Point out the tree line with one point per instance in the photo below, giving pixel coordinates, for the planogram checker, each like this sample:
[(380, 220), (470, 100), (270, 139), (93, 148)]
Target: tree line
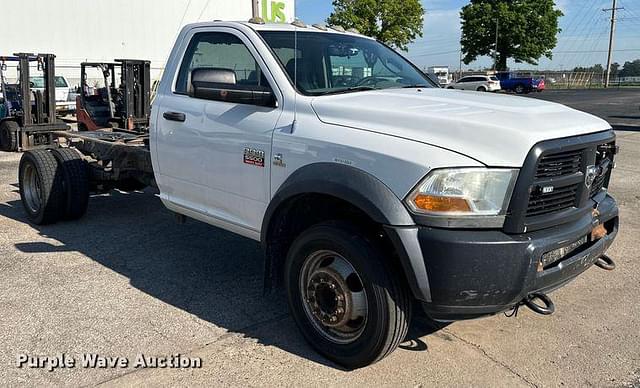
[(629, 69)]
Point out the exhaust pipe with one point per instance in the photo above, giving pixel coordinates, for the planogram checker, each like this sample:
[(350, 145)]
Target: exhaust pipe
[(606, 263)]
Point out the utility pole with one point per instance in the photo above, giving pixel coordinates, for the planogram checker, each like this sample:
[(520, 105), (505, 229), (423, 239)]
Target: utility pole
[(612, 35), (495, 53)]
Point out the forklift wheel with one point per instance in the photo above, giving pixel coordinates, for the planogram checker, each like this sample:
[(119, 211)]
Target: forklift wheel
[(9, 136), (76, 182), (41, 187)]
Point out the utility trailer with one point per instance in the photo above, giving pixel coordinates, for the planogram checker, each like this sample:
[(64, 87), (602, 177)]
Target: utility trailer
[(28, 117), (125, 106)]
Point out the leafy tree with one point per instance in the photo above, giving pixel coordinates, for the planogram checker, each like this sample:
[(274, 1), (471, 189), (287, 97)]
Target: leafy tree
[(527, 30), (394, 22), (598, 69), (631, 69), (615, 69)]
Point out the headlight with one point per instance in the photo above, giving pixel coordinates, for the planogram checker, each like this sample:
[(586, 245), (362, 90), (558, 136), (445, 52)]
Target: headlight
[(464, 192)]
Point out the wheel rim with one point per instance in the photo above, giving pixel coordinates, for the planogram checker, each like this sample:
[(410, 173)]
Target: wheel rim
[(333, 296), (31, 188)]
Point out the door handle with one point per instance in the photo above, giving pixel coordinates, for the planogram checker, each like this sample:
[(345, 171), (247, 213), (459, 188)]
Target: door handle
[(174, 116)]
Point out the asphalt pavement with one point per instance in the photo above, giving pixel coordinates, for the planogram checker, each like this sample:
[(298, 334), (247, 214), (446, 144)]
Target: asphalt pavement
[(128, 280)]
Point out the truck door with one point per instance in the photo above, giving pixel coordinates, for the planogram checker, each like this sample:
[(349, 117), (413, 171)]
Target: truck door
[(214, 157)]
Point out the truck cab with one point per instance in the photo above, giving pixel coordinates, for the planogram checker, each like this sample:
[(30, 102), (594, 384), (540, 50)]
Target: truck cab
[(372, 191)]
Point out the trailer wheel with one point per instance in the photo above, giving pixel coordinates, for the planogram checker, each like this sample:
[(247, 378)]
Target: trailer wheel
[(76, 182), (9, 136), (346, 299), (41, 187)]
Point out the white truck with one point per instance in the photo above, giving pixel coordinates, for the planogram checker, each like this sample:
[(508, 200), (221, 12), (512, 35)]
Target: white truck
[(442, 73), (371, 196)]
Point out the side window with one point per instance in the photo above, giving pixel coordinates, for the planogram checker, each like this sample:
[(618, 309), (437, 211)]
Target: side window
[(219, 50), (464, 80)]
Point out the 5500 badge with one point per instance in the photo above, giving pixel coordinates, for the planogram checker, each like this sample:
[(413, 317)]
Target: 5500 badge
[(254, 157)]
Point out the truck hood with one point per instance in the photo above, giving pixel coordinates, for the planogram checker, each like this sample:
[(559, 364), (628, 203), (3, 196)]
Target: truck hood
[(497, 130)]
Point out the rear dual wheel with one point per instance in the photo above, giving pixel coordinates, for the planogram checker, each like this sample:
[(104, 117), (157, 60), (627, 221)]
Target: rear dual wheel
[(346, 299), (54, 185)]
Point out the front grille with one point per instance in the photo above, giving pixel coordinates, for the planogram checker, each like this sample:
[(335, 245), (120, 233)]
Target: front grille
[(544, 203), (554, 184), (559, 164)]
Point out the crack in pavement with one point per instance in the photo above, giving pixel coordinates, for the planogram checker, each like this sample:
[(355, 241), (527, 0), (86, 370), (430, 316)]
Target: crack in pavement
[(229, 334), (492, 358)]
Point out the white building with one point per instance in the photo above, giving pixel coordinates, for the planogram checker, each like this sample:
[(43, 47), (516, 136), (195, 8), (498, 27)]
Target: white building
[(103, 30)]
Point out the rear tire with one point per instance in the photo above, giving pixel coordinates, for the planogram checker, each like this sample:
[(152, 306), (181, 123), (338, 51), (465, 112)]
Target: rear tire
[(520, 89), (482, 89), (344, 295), (76, 182), (9, 136), (41, 187)]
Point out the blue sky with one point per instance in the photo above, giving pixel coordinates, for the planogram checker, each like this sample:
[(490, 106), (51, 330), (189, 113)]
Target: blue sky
[(583, 42)]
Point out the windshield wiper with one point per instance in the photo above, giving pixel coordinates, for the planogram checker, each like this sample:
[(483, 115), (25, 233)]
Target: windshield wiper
[(415, 86), (351, 89)]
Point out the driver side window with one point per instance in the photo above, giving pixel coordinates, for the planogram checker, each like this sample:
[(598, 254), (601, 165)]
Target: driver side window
[(219, 50)]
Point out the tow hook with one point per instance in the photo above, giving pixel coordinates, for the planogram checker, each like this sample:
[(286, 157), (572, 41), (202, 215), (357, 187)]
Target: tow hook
[(546, 308), (606, 263)]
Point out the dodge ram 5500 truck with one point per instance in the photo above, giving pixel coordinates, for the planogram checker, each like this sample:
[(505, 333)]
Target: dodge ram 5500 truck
[(371, 190)]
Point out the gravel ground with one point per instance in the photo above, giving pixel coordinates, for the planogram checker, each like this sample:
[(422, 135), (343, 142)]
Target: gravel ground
[(128, 280)]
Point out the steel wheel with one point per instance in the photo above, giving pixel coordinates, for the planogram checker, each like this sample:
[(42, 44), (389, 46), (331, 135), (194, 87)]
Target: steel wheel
[(334, 298), (32, 189)]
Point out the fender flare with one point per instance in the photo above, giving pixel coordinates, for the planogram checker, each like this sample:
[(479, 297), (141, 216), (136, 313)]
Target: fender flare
[(348, 183), (365, 192)]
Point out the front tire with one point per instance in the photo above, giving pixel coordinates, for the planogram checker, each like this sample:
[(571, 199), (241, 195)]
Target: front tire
[(520, 89), (9, 136), (41, 187), (345, 296)]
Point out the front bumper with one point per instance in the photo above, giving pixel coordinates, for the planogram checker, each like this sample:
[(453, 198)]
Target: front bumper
[(473, 273)]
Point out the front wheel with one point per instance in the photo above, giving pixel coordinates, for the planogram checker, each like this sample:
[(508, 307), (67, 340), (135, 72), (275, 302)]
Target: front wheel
[(520, 89), (9, 136), (345, 296)]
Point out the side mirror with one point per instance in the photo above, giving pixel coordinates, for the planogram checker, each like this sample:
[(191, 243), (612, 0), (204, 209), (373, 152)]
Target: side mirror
[(220, 85)]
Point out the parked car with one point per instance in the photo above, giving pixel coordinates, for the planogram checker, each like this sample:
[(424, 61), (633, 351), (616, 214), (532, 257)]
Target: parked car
[(511, 82), (64, 102), (368, 199), (480, 83)]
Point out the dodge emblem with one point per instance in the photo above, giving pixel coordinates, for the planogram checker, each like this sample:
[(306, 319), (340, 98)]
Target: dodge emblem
[(590, 176)]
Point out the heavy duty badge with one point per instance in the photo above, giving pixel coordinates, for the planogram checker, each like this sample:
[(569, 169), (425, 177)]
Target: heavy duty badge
[(254, 157)]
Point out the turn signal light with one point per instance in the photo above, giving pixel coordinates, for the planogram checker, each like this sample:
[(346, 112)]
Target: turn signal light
[(441, 204)]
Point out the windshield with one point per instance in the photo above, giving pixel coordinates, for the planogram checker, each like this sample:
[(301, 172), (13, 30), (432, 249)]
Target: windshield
[(38, 82), (337, 63)]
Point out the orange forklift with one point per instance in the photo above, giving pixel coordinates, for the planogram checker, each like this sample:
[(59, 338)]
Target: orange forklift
[(122, 104)]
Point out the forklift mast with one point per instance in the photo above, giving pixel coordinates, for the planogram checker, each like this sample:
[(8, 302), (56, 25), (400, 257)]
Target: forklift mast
[(45, 103), (136, 78)]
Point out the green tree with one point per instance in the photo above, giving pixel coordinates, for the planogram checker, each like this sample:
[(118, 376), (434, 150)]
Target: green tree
[(394, 22), (527, 30), (631, 69)]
